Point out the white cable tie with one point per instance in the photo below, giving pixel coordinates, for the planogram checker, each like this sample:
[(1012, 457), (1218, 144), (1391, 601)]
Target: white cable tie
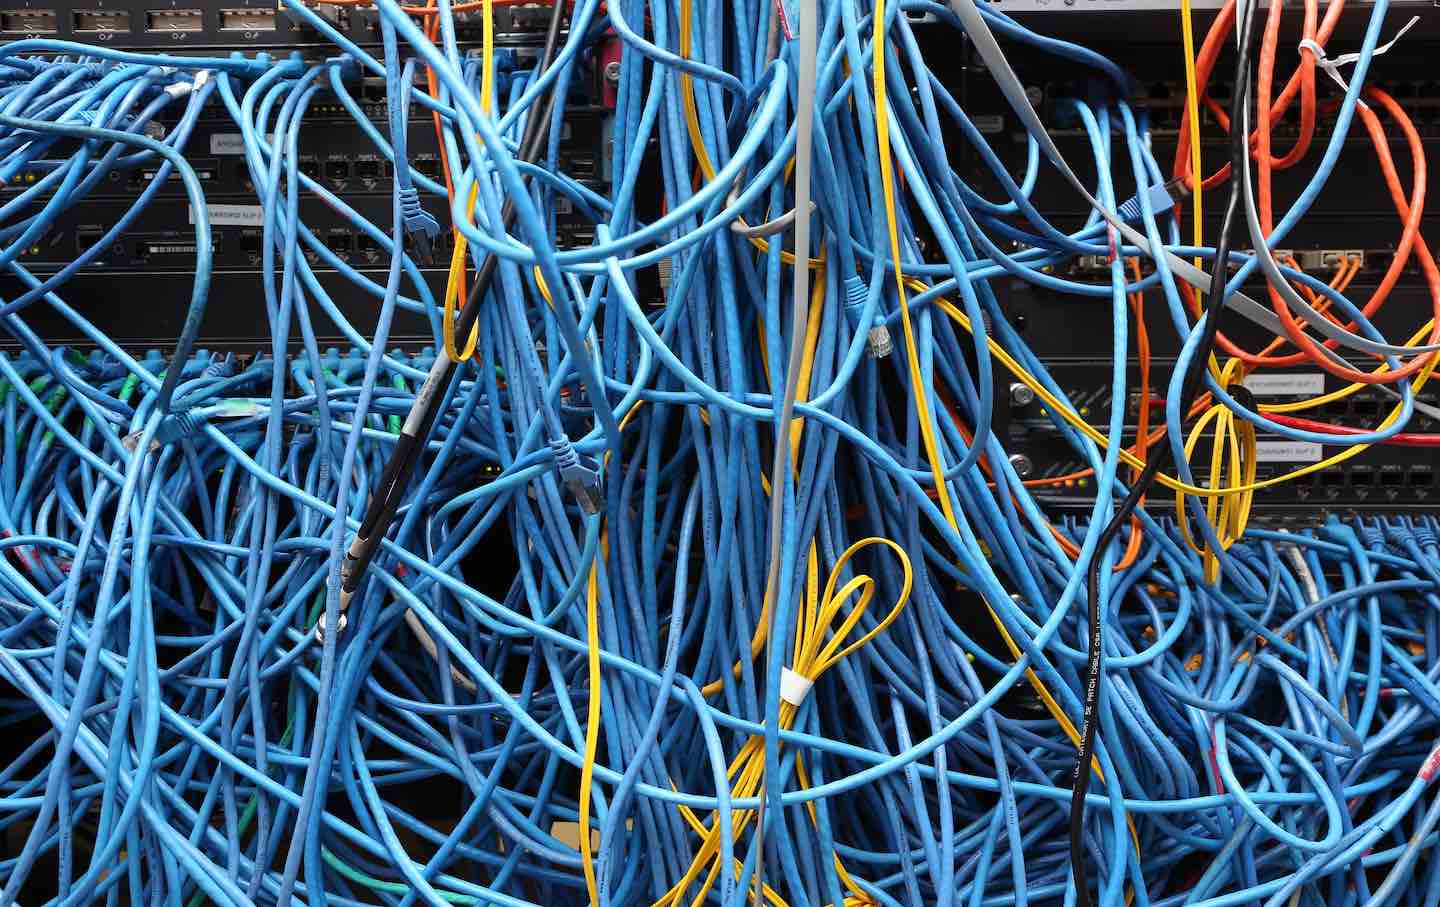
[(794, 687), (1332, 65)]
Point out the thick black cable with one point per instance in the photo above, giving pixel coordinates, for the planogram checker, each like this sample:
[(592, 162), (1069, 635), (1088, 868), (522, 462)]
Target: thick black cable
[(385, 501), (1189, 389)]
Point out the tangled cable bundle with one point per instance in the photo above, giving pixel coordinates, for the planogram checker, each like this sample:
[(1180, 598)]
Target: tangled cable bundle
[(686, 565)]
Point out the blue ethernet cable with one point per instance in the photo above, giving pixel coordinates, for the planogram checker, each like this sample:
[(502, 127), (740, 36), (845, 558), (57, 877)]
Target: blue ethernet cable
[(196, 719)]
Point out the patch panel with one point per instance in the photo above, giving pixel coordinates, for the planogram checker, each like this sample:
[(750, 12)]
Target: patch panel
[(1381, 482), (259, 24), (1382, 475), (231, 319), (215, 150), (156, 245), (1088, 388)]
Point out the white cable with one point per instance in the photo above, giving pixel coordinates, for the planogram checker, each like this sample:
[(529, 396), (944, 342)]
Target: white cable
[(1332, 65), (427, 642)]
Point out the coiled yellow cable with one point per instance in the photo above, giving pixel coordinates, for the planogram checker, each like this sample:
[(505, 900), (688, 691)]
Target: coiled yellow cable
[(818, 647), (1233, 446)]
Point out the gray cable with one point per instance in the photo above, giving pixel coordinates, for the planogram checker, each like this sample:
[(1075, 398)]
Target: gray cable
[(799, 324), (768, 228), (1009, 84), (1287, 292)]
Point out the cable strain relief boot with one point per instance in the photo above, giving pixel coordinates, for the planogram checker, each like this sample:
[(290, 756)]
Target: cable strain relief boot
[(223, 367), (172, 428), (1399, 531), (579, 479), (855, 293), (422, 229), (1372, 534), (1423, 530)]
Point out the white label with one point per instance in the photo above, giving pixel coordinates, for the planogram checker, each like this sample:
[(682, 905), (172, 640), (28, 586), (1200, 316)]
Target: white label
[(233, 215), (989, 124), (1282, 384), (794, 687), (1288, 452), (227, 143)]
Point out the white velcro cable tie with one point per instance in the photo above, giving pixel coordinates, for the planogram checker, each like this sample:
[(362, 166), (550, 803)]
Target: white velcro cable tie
[(1332, 65), (794, 687)]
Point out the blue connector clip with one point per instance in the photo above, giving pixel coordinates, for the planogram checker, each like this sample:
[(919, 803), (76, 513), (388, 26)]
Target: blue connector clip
[(1162, 198), (581, 479), (420, 228)]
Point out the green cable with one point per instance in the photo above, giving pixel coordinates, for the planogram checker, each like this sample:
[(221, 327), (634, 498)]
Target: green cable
[(126, 389), (396, 423), (52, 403)]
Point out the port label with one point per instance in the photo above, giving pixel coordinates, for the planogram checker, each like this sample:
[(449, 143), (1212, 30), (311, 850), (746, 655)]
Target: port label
[(1288, 452), (1283, 384), (232, 143), (233, 215), (227, 143)]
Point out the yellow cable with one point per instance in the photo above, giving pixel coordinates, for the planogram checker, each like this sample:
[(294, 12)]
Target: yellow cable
[(592, 718), (817, 648), (457, 258), (1169, 481), (452, 294), (1192, 102), (922, 406), (1233, 441)]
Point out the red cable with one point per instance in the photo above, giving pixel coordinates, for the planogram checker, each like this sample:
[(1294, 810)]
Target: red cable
[(1410, 211), (1303, 80), (1401, 440), (1303, 77)]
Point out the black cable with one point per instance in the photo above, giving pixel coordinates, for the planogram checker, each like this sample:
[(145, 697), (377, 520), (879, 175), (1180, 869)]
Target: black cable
[(1189, 389), (385, 500)]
